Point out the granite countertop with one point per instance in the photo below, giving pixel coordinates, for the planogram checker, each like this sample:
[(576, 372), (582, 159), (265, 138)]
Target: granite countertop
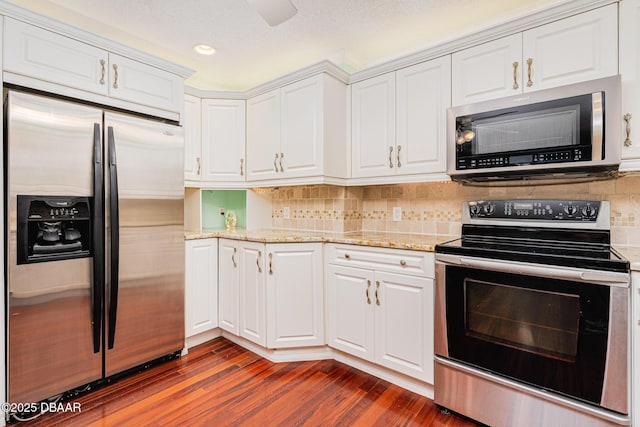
[(417, 242), (631, 253)]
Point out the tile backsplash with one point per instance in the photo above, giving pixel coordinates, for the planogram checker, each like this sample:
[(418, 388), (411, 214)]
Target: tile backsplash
[(435, 208)]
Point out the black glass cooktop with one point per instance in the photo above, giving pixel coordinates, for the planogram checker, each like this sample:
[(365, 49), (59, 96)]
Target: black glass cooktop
[(572, 248)]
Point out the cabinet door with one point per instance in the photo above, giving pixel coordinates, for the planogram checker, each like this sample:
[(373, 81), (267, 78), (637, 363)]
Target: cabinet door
[(579, 48), (423, 96), (630, 71), (404, 324), (263, 137), (191, 122), (350, 310), (252, 292), (228, 286), (635, 337), (302, 127), (223, 140), (294, 295), (38, 53), (373, 127), (201, 285), (134, 81), (488, 71)]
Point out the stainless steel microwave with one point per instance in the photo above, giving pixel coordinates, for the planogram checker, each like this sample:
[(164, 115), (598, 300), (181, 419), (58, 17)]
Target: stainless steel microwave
[(569, 131)]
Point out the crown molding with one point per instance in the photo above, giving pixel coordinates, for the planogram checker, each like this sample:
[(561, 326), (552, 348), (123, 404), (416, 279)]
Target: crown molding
[(326, 67), (509, 26), (51, 24)]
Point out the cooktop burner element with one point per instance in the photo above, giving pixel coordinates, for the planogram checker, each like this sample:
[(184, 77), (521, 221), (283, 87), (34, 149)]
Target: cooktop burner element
[(556, 232)]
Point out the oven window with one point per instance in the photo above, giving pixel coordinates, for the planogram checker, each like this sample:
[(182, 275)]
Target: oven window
[(556, 127), (531, 320)]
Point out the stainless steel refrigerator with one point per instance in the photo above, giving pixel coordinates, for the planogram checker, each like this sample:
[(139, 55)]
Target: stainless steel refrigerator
[(94, 243)]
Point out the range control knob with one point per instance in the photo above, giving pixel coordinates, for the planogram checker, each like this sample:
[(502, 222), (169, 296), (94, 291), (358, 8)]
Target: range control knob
[(489, 208), (473, 210), (589, 211), (570, 210)]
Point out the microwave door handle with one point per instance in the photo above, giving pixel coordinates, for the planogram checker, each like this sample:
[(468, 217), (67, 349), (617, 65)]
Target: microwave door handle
[(115, 237), (597, 113), (97, 288)]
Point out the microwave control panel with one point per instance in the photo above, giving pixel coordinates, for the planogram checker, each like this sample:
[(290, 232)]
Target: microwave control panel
[(556, 210), (565, 155)]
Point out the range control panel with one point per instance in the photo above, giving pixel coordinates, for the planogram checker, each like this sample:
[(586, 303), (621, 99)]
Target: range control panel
[(556, 210)]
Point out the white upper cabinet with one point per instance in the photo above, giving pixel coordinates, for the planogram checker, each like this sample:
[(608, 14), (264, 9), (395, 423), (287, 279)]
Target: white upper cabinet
[(66, 65), (214, 141), (373, 132), (294, 130), (35, 52), (134, 81), (191, 121), (423, 94), (223, 140), (488, 71), (263, 136), (399, 121), (582, 47), (630, 71)]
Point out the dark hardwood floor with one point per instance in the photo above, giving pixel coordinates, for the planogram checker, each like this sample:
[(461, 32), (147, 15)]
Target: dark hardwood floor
[(221, 384)]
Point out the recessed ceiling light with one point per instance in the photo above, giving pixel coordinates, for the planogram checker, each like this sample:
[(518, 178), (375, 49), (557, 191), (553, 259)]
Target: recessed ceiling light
[(204, 49)]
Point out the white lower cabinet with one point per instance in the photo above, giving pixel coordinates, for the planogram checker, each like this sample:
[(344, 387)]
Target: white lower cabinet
[(201, 286), (295, 301), (271, 294), (383, 317), (635, 349)]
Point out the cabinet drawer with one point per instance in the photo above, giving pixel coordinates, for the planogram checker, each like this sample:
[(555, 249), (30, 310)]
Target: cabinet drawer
[(381, 259)]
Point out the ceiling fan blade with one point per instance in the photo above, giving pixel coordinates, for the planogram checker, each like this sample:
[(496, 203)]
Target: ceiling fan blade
[(275, 12)]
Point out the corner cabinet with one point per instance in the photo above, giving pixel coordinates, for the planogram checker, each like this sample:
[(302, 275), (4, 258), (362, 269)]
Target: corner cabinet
[(295, 297), (380, 307), (214, 141), (201, 286), (297, 132), (69, 64), (272, 294), (399, 121), (538, 58)]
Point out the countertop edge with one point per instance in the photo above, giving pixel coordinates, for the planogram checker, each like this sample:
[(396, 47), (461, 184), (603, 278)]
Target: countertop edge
[(423, 243)]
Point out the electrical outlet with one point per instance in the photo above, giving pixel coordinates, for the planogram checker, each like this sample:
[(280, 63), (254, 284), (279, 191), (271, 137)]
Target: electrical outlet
[(285, 212), (221, 210), (397, 213)]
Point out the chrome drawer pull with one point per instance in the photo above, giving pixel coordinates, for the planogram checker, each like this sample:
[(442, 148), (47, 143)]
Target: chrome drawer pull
[(103, 70), (367, 292), (627, 119), (258, 262)]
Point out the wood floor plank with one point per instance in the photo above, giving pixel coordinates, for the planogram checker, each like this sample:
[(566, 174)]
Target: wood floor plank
[(220, 383)]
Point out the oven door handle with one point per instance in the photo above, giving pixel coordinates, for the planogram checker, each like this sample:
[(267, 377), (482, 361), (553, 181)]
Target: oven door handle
[(607, 278)]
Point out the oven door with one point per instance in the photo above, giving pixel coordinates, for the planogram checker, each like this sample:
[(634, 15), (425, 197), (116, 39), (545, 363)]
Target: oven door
[(560, 329)]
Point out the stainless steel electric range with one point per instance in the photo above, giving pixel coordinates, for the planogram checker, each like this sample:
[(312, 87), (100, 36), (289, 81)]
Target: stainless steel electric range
[(532, 316)]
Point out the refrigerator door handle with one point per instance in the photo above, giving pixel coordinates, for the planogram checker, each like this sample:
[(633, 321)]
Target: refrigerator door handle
[(97, 290), (115, 236)]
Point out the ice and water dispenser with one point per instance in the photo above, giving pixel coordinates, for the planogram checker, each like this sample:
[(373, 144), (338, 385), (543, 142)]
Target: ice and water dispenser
[(53, 228)]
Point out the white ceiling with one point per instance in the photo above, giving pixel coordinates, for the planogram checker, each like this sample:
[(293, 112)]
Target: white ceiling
[(354, 34)]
